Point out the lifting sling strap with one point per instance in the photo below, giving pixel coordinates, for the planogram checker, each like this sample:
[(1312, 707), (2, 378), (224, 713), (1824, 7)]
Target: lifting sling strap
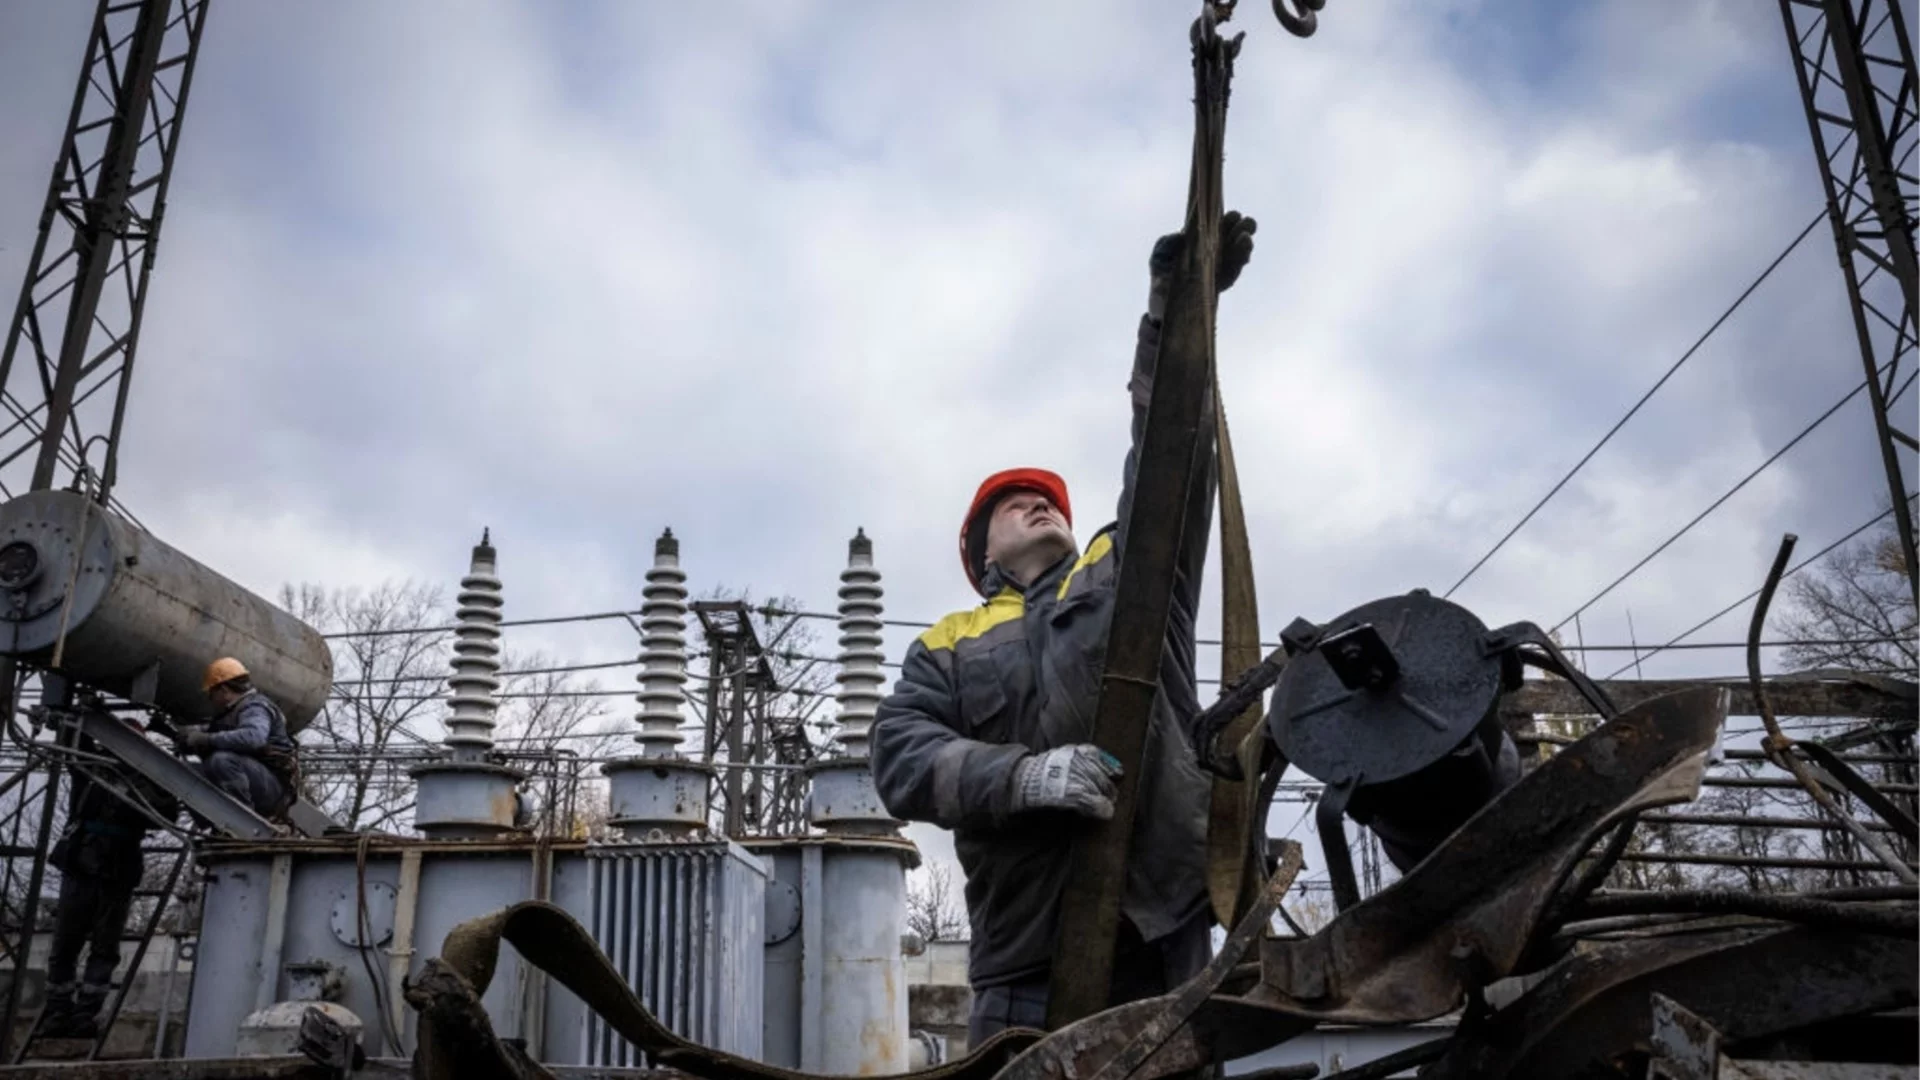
[(1234, 866), (457, 1040), (1164, 481)]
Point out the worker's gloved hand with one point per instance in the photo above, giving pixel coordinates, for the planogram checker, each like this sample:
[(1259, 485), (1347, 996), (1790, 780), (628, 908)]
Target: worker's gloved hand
[(1079, 778), (1236, 248), (196, 741)]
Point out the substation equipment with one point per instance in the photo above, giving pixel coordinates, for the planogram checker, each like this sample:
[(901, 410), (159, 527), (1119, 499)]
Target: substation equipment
[(777, 936), (785, 948)]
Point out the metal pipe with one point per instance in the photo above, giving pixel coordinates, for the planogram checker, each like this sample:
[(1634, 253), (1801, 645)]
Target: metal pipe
[(1746, 821), (1785, 783), (1855, 759), (1769, 861), (1779, 748)]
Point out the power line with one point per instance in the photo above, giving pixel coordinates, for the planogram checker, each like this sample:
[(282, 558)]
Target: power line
[(1743, 601), (1715, 505), (1622, 422)]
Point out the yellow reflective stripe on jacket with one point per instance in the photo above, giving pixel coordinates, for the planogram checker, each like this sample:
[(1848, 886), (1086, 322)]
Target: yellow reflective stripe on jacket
[(1101, 547), (960, 625)]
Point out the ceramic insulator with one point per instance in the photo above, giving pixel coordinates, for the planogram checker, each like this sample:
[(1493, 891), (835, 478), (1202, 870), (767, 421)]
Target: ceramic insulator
[(663, 652), (474, 683), (861, 646)]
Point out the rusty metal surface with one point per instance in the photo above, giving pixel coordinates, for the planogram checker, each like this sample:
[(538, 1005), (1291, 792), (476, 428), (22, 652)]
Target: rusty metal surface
[(1793, 695), (1143, 1042), (1590, 1017), (1463, 917), (251, 1068)]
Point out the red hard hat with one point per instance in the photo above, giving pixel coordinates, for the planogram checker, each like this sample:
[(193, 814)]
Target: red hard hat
[(973, 533)]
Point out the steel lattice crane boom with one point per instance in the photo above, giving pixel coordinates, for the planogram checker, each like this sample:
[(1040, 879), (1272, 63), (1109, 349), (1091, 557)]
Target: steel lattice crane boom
[(1853, 60), (68, 359)]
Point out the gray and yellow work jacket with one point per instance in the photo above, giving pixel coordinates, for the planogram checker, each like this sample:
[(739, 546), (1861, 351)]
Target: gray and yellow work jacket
[(1020, 674)]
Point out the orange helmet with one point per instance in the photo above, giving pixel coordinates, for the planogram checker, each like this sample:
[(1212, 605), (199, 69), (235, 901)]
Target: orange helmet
[(224, 670), (973, 531)]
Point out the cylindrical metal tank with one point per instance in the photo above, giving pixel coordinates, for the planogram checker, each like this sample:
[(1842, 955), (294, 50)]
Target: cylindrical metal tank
[(139, 618)]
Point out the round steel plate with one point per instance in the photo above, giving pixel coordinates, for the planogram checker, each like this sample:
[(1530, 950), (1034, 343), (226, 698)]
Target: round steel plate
[(1446, 686)]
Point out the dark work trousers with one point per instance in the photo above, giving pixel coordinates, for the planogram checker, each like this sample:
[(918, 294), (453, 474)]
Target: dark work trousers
[(92, 911), (1140, 970), (244, 777)]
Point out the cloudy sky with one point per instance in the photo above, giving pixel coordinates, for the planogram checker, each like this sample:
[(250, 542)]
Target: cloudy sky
[(767, 273)]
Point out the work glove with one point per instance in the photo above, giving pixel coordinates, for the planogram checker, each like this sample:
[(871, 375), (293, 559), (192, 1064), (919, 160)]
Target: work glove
[(1079, 778), (196, 741), (1236, 248)]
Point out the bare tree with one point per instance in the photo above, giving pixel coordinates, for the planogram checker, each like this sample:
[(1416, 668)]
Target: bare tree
[(1857, 607), (384, 706), (936, 910), (559, 729)]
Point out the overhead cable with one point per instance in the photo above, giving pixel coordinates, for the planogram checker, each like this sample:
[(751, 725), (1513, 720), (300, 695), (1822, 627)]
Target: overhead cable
[(1744, 600), (1620, 423), (1715, 505)]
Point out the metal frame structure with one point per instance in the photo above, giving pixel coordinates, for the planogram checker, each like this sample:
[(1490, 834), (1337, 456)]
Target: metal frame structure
[(1853, 61), (79, 310), (761, 754)]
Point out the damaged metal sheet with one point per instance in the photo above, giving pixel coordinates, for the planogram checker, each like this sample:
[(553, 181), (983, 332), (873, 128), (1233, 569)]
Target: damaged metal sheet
[(1463, 917), (1590, 1017)]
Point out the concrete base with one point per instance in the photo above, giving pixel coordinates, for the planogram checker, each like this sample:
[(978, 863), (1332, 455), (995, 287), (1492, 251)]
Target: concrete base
[(657, 795), (841, 799), (459, 800)]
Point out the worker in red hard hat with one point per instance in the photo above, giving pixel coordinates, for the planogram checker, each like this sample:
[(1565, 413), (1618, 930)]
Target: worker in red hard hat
[(989, 730)]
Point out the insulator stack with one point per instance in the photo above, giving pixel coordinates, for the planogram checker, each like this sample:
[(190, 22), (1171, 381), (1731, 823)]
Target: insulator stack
[(861, 646), (466, 793), (475, 682), (663, 652)]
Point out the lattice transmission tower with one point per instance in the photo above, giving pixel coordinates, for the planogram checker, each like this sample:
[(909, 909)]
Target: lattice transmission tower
[(1854, 63), (68, 360)]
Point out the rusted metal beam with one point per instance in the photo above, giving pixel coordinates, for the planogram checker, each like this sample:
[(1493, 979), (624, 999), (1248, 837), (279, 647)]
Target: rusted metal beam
[(1888, 699), (290, 1067), (1767, 861), (1750, 821), (1789, 782)]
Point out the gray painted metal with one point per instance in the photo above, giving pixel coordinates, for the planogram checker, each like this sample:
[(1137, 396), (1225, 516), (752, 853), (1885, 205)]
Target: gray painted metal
[(464, 799), (131, 606), (240, 964), (862, 1005), (683, 924), (780, 1009), (841, 798), (683, 921), (228, 959), (663, 794), (836, 991), (174, 776)]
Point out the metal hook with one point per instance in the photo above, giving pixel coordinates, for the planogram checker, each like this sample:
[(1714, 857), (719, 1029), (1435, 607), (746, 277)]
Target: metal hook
[(1302, 24)]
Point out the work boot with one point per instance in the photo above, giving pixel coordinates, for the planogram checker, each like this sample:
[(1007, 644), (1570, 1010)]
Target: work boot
[(57, 1014), (86, 1012)]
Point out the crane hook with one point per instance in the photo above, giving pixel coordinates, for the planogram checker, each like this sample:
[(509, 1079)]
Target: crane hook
[(1303, 24)]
